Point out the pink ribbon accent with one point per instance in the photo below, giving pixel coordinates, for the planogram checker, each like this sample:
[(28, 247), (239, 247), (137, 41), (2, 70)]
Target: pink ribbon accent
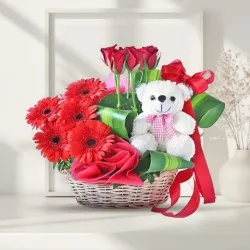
[(162, 125)]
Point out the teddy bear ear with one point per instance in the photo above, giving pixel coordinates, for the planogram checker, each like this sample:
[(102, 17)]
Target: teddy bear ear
[(140, 91), (186, 91)]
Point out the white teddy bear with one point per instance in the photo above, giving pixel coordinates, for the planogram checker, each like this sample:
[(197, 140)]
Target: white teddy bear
[(163, 125)]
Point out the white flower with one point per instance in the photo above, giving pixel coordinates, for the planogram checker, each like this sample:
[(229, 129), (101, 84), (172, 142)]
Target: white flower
[(232, 86)]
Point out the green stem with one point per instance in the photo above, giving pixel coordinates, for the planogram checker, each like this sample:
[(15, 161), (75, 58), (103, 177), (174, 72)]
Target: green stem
[(133, 92), (129, 82), (118, 92), (146, 76)]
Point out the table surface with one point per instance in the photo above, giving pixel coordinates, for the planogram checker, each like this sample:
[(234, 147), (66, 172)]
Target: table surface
[(33, 222)]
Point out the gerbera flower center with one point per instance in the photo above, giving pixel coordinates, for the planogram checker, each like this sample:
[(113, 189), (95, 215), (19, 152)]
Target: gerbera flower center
[(78, 116), (85, 92), (56, 139), (91, 142), (47, 111)]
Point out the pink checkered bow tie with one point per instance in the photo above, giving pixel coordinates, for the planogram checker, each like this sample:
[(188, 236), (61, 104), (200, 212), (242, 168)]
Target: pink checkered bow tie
[(161, 125)]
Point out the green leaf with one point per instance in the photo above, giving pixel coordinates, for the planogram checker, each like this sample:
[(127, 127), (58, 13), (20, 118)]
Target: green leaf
[(126, 102), (63, 165), (143, 164), (116, 186), (111, 101), (151, 75), (155, 161), (136, 68), (67, 165), (161, 161), (158, 174), (150, 178), (138, 76), (207, 109), (157, 62), (120, 121), (60, 166)]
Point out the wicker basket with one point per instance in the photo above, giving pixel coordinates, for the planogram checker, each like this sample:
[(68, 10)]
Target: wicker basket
[(103, 195)]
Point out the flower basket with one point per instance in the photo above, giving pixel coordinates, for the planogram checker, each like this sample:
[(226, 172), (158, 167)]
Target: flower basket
[(119, 142), (103, 195)]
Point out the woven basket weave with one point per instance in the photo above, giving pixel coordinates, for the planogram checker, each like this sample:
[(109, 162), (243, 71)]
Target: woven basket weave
[(103, 195)]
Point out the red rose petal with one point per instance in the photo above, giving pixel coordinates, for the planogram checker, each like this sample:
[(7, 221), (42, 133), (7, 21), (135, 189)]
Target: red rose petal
[(121, 157), (92, 173)]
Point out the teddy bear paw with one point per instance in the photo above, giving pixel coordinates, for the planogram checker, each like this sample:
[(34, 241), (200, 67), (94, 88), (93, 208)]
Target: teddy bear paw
[(143, 143), (182, 146)]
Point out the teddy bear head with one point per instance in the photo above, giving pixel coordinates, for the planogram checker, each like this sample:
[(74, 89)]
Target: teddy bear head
[(163, 97)]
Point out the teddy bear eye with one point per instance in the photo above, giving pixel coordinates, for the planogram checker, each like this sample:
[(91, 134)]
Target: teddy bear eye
[(152, 97), (172, 98)]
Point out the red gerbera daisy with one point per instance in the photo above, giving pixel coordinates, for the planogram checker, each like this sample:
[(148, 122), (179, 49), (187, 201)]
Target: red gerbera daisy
[(74, 112), (52, 142), (87, 89), (45, 110), (90, 141)]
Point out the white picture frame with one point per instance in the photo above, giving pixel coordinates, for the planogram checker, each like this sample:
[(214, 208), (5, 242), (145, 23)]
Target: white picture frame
[(193, 19)]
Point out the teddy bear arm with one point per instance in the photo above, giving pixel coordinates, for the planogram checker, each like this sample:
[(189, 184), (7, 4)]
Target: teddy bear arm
[(140, 126), (184, 123)]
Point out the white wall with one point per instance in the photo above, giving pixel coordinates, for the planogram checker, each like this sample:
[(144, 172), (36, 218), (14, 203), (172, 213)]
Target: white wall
[(22, 72)]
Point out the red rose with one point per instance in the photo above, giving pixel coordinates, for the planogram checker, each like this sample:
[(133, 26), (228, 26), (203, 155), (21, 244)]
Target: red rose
[(117, 166), (119, 60), (134, 58), (107, 55), (114, 58), (150, 56)]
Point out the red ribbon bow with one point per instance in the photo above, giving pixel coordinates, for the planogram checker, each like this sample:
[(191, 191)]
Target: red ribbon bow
[(175, 72), (203, 184)]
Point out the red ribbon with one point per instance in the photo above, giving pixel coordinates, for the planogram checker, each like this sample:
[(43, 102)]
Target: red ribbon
[(175, 72), (202, 179)]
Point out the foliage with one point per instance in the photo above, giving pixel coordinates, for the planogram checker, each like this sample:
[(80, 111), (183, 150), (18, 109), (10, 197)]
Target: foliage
[(63, 165), (154, 162), (233, 88)]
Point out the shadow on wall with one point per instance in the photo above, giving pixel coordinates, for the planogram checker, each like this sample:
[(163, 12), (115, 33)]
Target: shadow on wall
[(8, 169), (213, 39), (233, 15), (63, 50), (66, 52)]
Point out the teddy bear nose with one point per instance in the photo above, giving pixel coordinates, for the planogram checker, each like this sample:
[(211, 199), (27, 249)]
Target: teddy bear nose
[(162, 98)]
